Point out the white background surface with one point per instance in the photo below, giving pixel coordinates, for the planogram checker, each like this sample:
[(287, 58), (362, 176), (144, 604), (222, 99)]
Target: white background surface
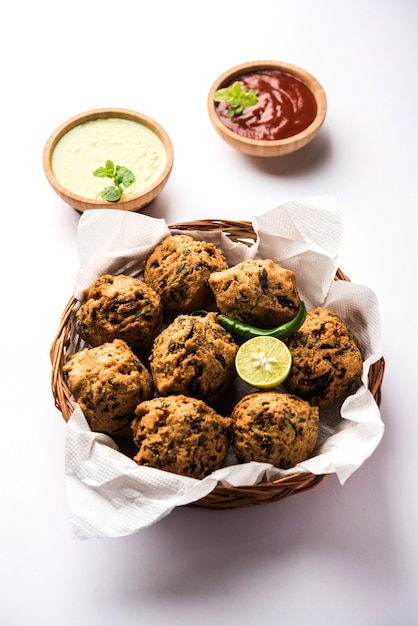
[(334, 555)]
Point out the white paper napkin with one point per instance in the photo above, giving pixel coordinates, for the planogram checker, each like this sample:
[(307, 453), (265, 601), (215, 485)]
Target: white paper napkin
[(109, 494)]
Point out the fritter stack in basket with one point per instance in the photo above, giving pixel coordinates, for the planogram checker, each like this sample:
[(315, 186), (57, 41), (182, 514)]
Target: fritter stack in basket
[(155, 363)]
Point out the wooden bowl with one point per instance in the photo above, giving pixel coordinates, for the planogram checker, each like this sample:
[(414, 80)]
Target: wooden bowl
[(128, 202), (268, 147)]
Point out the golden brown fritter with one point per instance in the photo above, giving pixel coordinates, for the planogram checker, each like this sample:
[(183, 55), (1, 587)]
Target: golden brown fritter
[(194, 356), (326, 358), (120, 307), (260, 293), (180, 434), (179, 268), (274, 427), (108, 382)]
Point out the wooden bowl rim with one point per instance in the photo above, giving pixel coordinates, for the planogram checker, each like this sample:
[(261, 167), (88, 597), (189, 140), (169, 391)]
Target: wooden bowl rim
[(132, 202), (310, 81)]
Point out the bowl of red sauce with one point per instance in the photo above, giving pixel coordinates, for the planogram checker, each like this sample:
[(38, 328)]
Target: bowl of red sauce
[(267, 108)]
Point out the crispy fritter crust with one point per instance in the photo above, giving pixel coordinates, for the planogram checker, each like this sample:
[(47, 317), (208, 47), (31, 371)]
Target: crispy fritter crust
[(179, 268), (108, 382), (256, 292), (120, 307), (194, 356), (326, 358), (180, 434), (274, 427)]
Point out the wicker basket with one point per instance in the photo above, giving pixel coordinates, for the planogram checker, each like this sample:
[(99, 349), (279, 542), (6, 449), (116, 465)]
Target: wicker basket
[(221, 497)]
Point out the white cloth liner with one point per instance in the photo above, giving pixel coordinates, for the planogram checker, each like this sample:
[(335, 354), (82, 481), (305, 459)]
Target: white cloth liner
[(109, 494)]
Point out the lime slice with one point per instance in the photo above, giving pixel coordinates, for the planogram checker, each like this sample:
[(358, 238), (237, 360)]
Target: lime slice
[(263, 362)]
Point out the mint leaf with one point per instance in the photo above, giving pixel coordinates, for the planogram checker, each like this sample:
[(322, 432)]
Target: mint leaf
[(236, 89), (111, 194), (222, 95), (234, 109), (122, 177), (249, 98), (237, 98), (101, 172)]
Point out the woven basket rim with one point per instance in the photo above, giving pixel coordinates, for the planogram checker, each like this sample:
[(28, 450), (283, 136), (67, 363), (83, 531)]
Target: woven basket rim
[(221, 497)]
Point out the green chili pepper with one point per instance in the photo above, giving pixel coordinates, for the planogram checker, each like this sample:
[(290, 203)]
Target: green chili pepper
[(281, 332)]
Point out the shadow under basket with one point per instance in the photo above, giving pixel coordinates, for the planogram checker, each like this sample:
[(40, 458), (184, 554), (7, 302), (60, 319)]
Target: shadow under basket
[(221, 497)]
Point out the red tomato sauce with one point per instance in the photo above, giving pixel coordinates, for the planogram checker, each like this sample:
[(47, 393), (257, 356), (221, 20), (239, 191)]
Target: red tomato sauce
[(285, 107)]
